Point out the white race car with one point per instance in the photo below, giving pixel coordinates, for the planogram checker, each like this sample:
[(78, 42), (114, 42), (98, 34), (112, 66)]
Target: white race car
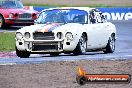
[(66, 30)]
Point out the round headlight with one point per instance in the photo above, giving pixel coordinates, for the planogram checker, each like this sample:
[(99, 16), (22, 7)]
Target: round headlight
[(69, 36), (27, 35), (59, 35), (18, 35), (10, 15)]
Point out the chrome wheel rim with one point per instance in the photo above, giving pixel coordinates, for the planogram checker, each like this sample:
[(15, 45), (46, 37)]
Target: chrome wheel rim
[(0, 22), (112, 44), (83, 44)]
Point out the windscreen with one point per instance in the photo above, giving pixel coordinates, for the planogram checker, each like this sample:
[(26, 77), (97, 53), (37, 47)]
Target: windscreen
[(63, 16), (10, 4)]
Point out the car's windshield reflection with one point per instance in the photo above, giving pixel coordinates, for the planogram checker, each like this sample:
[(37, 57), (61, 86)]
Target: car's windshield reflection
[(10, 4), (62, 16)]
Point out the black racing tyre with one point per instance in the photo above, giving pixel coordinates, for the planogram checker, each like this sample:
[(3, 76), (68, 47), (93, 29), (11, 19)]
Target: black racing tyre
[(22, 54), (2, 22), (110, 48), (54, 54), (81, 46)]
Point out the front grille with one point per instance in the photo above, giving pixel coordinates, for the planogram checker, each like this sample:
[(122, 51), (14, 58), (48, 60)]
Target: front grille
[(45, 47), (25, 15), (43, 36), (24, 21)]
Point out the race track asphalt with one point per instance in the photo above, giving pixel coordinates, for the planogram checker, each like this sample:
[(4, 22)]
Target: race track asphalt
[(123, 49)]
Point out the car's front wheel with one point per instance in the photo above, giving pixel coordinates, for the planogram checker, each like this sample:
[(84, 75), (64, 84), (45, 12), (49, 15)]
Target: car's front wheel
[(1, 21), (110, 48), (81, 46), (22, 54)]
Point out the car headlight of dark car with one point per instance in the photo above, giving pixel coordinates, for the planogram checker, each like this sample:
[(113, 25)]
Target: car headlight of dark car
[(11, 15)]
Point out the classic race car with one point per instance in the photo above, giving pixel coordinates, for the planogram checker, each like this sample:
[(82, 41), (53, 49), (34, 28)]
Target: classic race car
[(12, 12), (66, 30)]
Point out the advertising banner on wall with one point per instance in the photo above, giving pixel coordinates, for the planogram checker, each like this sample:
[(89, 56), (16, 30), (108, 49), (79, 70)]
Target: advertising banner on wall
[(117, 13), (110, 13)]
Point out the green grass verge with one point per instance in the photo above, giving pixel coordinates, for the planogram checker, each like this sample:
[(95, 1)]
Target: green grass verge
[(7, 41), (93, 5)]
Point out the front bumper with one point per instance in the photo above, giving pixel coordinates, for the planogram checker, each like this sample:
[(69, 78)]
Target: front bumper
[(40, 46), (19, 21), (46, 46)]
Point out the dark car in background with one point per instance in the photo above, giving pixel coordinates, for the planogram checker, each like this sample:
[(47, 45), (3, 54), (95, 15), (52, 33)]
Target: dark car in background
[(12, 12)]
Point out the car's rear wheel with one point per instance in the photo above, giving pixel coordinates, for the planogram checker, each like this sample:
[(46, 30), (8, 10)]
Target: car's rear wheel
[(22, 54), (110, 48), (81, 46), (1, 21)]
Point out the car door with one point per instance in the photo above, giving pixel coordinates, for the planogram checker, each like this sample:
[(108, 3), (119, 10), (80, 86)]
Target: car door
[(95, 33), (104, 28)]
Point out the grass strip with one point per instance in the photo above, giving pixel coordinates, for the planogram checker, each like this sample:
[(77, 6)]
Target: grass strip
[(7, 41)]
